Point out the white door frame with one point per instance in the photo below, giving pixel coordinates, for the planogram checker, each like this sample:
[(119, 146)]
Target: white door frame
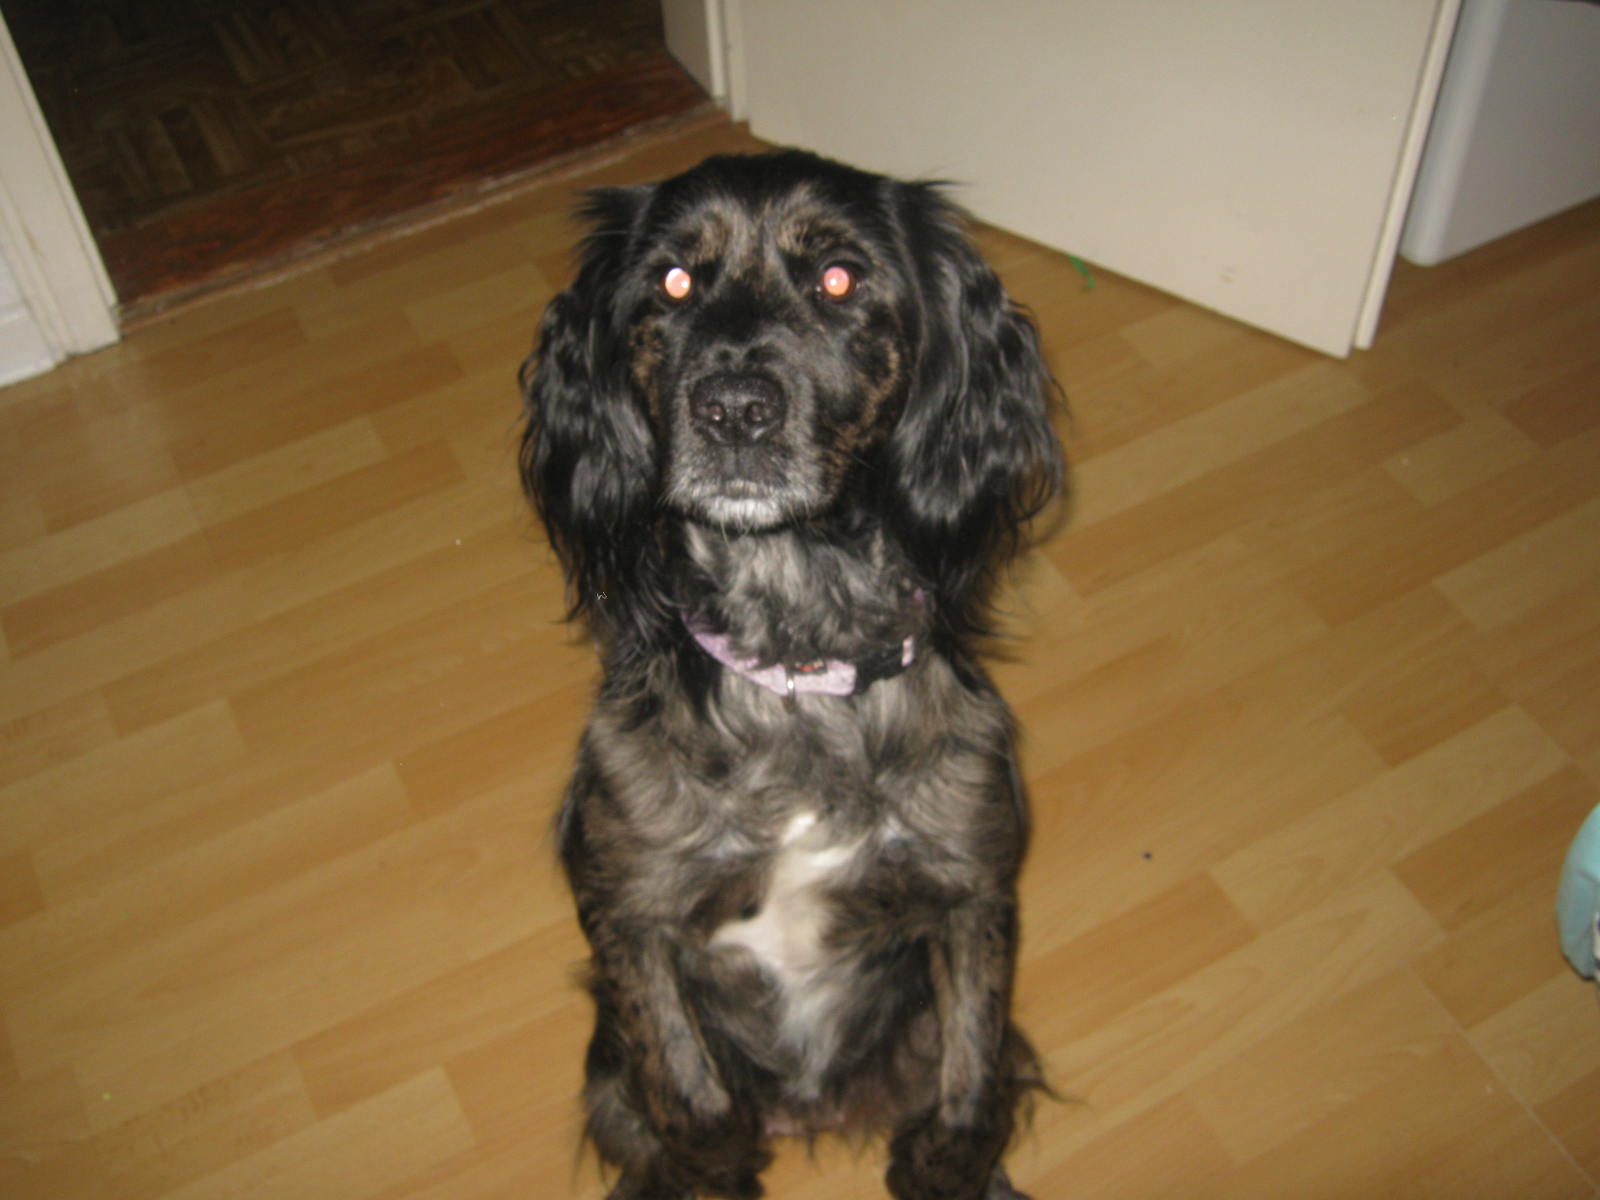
[(697, 36), (43, 234), (1416, 137)]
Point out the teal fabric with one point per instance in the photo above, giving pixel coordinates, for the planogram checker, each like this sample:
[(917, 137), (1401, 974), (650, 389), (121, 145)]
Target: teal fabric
[(1578, 900)]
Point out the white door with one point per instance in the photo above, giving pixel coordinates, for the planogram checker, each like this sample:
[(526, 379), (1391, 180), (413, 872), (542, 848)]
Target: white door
[(1253, 156)]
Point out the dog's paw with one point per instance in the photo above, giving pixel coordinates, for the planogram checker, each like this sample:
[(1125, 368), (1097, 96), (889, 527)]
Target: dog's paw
[(685, 1179), (716, 1158), (1000, 1188), (931, 1160), (632, 1187)]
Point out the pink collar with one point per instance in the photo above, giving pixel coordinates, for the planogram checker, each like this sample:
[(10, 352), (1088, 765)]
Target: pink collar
[(825, 676)]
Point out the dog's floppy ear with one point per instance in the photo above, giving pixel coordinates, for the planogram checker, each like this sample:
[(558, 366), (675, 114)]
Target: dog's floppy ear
[(588, 458), (974, 455)]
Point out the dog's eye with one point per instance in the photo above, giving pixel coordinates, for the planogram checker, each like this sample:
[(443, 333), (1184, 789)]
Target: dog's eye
[(677, 283), (836, 282)]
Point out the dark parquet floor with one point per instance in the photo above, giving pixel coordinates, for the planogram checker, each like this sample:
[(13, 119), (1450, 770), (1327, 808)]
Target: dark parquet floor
[(211, 139)]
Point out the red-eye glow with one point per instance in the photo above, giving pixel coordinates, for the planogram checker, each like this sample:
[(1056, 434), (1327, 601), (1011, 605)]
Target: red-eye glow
[(837, 282), (677, 283)]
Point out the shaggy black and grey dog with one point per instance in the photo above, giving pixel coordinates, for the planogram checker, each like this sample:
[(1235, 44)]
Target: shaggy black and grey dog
[(783, 430)]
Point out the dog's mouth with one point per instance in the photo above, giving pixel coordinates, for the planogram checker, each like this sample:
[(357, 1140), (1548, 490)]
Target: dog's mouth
[(738, 460), (739, 503)]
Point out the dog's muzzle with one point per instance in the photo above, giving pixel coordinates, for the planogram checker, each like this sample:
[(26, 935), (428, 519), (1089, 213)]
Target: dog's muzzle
[(737, 410)]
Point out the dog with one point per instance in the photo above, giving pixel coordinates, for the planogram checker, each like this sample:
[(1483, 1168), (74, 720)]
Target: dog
[(785, 430)]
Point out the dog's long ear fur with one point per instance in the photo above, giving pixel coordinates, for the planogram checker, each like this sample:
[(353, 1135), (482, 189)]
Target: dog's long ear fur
[(974, 456), (589, 460)]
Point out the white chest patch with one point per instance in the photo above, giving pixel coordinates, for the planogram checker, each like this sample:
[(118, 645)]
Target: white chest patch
[(786, 935)]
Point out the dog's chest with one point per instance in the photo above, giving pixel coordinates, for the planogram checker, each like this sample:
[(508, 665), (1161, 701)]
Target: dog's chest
[(787, 934)]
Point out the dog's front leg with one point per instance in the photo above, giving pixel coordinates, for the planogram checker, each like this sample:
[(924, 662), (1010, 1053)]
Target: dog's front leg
[(952, 1150), (657, 1106)]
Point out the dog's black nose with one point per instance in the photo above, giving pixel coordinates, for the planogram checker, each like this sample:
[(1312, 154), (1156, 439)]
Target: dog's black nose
[(736, 410)]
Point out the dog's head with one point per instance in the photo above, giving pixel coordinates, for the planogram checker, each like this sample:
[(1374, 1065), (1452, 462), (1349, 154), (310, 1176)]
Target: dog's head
[(773, 340)]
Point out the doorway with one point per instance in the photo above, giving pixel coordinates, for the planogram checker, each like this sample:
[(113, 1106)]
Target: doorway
[(210, 141)]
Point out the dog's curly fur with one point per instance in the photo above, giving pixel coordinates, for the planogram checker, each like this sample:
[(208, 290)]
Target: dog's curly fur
[(786, 400)]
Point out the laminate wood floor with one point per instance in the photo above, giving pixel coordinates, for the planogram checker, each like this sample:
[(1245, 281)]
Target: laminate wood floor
[(1311, 685)]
